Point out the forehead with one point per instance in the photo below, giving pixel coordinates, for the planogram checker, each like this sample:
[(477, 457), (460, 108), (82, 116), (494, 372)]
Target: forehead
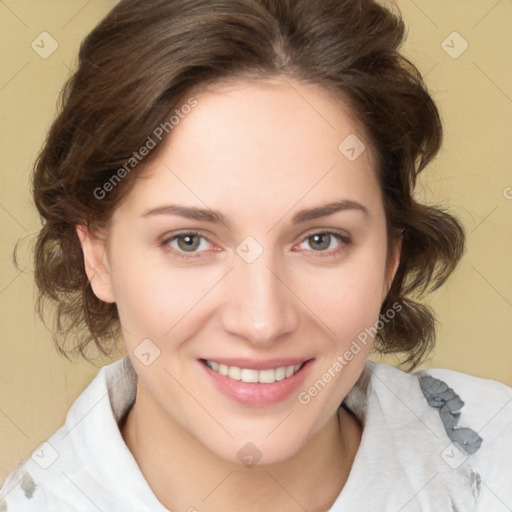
[(263, 117), (262, 143)]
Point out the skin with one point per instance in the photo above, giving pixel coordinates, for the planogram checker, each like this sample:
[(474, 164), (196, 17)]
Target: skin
[(258, 153)]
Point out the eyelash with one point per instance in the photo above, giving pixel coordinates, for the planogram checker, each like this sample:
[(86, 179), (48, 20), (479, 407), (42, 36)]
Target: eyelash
[(343, 238)]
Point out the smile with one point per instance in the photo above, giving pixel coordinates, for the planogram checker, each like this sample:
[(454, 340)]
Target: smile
[(249, 375)]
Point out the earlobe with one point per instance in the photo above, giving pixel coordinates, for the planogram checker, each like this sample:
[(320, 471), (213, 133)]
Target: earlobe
[(96, 263)]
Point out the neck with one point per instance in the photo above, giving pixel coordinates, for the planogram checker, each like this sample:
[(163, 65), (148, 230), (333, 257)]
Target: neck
[(184, 475)]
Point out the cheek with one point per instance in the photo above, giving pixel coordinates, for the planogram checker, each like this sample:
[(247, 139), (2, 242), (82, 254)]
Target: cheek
[(348, 299), (151, 297)]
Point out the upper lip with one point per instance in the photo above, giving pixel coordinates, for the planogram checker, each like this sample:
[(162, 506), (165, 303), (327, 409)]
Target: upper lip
[(253, 364)]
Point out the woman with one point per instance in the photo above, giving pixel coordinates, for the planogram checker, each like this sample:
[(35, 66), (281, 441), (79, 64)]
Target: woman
[(228, 189)]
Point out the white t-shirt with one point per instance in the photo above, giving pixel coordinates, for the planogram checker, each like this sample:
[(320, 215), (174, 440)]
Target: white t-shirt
[(410, 458)]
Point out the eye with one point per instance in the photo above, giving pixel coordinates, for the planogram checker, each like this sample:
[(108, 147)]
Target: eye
[(330, 242), (186, 243)]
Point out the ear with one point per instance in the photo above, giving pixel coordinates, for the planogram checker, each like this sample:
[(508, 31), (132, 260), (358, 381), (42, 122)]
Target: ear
[(96, 263), (392, 263)]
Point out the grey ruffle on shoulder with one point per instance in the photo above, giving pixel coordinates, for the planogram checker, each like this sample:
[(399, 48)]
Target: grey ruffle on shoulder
[(449, 403)]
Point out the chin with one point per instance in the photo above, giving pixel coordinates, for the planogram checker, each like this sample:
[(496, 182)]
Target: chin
[(258, 449)]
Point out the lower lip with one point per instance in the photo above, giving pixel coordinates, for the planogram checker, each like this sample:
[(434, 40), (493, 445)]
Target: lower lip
[(254, 394)]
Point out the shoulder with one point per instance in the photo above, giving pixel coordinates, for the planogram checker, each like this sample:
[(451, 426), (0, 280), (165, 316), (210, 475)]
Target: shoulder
[(487, 410), (483, 404), (69, 470), (477, 386), (473, 421), (29, 487), (483, 401)]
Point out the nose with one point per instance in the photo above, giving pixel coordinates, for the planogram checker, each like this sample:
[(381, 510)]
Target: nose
[(259, 307)]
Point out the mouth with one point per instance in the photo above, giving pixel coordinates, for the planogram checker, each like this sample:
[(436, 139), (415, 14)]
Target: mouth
[(253, 375), (257, 383)]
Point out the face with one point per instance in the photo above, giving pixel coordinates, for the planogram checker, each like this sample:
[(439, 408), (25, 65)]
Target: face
[(254, 248)]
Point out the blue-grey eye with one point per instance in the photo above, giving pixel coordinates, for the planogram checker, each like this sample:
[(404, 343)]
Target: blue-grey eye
[(322, 241), (188, 242)]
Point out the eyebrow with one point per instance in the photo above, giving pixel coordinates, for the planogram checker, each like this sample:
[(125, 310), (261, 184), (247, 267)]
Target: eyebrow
[(208, 215), (328, 209)]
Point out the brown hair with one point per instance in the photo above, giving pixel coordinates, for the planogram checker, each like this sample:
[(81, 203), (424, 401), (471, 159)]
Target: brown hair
[(140, 64)]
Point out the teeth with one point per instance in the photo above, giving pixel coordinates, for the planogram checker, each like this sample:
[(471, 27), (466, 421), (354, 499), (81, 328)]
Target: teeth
[(249, 375), (280, 373), (234, 373), (266, 376)]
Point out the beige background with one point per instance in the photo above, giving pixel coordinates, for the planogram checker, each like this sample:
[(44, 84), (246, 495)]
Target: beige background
[(473, 175)]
